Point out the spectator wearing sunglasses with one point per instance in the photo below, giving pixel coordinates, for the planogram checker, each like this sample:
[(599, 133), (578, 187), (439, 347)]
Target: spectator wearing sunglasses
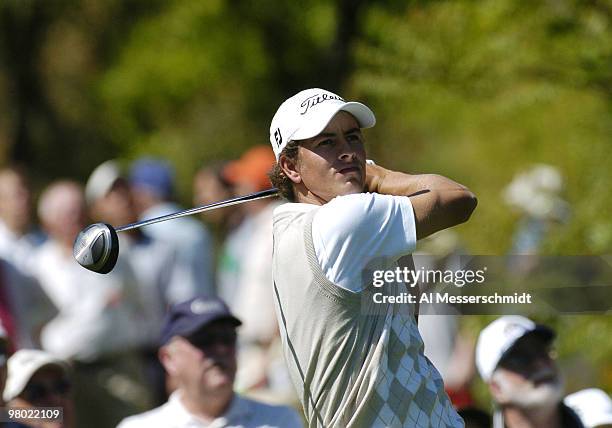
[(198, 352), (514, 357), (37, 379)]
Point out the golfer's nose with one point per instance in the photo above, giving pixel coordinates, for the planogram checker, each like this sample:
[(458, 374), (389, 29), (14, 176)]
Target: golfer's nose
[(346, 152)]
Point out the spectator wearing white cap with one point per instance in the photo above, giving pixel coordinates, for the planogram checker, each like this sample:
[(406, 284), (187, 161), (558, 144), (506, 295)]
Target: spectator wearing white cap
[(38, 379), (593, 406), (198, 350), (154, 265), (513, 356), (109, 200)]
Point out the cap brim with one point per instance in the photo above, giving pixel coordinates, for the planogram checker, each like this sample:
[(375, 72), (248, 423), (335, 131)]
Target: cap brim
[(188, 331), (101, 181), (233, 320), (362, 113), (16, 384), (545, 333)]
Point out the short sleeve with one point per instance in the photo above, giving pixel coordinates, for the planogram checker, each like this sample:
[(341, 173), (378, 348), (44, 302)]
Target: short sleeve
[(351, 231)]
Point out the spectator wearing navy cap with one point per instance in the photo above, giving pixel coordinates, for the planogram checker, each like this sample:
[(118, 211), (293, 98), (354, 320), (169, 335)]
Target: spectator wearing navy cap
[(152, 184), (198, 351), (513, 356)]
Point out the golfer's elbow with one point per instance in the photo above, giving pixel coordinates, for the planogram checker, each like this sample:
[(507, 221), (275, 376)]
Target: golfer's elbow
[(443, 208), (455, 200), (462, 206)]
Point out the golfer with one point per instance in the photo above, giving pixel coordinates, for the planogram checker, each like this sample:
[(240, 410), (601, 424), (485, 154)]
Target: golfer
[(354, 363)]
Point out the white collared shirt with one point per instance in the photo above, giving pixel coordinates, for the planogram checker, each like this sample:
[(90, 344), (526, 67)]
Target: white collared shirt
[(242, 413)]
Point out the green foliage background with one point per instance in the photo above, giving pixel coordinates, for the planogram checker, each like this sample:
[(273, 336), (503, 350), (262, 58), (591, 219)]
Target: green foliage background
[(477, 91)]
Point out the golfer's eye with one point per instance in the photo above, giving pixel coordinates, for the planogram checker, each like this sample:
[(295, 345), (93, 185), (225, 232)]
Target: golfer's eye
[(326, 142), (353, 138)]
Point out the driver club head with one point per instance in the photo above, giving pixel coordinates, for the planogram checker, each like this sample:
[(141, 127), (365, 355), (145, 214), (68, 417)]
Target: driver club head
[(97, 247)]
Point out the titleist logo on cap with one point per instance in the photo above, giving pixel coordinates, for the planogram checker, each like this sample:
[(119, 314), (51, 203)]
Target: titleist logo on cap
[(317, 99)]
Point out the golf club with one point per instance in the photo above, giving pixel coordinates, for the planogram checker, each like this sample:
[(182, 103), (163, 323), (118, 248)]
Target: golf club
[(97, 247)]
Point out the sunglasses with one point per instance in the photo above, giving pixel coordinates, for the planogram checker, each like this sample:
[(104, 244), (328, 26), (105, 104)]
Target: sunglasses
[(35, 391), (522, 358), (208, 339)]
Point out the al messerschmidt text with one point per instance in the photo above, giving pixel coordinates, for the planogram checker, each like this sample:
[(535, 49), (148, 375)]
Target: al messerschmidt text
[(522, 298)]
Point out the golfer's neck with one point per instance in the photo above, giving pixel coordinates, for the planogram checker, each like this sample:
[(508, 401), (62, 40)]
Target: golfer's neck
[(305, 196)]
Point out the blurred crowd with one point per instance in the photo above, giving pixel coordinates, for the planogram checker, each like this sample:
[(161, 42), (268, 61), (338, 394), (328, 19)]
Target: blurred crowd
[(108, 347)]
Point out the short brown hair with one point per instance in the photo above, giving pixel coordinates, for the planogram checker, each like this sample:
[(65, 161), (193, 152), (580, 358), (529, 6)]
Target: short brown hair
[(278, 177)]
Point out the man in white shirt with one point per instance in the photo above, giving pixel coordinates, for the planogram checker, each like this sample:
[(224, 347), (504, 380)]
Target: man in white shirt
[(352, 361), (153, 263), (96, 313), (199, 354), (513, 356)]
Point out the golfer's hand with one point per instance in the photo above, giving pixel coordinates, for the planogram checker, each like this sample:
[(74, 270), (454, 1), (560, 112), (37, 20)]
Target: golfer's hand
[(374, 177)]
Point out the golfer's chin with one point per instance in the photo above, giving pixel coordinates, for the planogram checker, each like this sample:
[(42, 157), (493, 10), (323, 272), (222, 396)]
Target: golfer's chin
[(337, 187), (348, 187), (350, 182)]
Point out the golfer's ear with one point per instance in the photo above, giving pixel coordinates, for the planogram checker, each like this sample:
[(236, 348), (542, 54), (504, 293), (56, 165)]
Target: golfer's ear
[(290, 169)]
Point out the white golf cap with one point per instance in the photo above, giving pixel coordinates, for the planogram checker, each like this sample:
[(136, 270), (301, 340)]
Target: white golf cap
[(21, 367), (593, 406), (101, 180), (308, 112), (496, 339)]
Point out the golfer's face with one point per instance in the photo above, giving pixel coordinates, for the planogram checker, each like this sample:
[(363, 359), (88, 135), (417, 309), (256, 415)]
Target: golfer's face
[(333, 163)]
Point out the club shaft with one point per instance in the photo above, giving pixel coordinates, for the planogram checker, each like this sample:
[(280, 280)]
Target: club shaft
[(222, 204)]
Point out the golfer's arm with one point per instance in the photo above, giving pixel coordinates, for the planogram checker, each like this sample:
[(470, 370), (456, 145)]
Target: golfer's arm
[(438, 202)]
